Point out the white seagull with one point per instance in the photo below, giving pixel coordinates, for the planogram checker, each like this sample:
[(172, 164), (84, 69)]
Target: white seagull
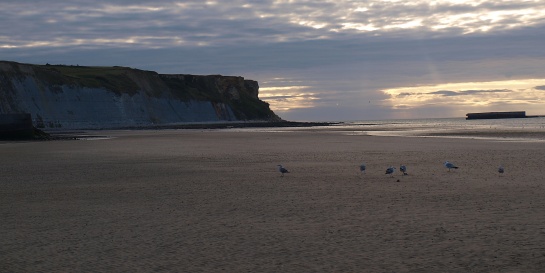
[(403, 168), (390, 171), (450, 166), (282, 170), (362, 168)]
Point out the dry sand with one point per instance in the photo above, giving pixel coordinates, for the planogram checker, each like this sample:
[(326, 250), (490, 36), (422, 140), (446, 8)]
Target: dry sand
[(213, 201)]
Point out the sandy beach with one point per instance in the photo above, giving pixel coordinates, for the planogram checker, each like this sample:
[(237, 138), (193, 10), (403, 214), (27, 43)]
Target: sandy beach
[(214, 201)]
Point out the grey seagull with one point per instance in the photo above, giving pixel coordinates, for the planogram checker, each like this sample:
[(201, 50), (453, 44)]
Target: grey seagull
[(362, 168), (501, 170), (403, 169), (450, 166), (282, 170), (390, 171)]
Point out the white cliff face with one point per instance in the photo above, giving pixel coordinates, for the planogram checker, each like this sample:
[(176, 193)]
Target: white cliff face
[(71, 107), (71, 104)]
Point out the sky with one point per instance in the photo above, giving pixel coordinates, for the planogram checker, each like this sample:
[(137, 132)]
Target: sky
[(329, 60)]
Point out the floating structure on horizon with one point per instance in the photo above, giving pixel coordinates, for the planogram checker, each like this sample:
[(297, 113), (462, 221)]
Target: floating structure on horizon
[(496, 115)]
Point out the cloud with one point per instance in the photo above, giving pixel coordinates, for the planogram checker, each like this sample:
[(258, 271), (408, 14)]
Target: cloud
[(448, 93), (167, 23), (333, 53), (445, 93), (404, 94), (541, 87)]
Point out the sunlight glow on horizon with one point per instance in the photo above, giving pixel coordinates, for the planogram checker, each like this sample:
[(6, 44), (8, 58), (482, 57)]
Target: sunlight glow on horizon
[(469, 94), (285, 98), (456, 98)]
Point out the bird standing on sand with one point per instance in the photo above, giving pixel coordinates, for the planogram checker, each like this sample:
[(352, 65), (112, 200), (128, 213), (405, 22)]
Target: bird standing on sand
[(403, 169), (450, 166), (390, 171), (362, 168), (282, 170), (501, 170)]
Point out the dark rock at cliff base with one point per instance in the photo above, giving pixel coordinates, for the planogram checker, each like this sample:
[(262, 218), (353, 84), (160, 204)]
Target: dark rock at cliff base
[(82, 97)]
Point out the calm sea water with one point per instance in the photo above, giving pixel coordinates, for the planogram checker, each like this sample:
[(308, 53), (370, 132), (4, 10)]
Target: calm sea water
[(527, 129), (454, 123), (523, 129)]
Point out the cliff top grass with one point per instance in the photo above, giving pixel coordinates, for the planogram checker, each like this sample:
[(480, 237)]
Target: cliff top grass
[(112, 78)]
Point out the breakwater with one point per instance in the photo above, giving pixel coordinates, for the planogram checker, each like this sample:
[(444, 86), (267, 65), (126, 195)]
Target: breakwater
[(496, 115)]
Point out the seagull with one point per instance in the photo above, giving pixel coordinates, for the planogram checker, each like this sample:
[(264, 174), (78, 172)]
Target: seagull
[(501, 170), (403, 169), (450, 166), (282, 170), (390, 171), (362, 168)]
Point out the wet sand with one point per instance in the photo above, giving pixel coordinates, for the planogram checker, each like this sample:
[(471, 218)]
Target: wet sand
[(213, 201)]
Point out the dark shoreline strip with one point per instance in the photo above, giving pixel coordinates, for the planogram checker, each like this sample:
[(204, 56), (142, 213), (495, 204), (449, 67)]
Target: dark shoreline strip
[(231, 125), (79, 133)]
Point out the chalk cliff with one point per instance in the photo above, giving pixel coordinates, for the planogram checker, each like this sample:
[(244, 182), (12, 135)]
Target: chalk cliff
[(79, 97)]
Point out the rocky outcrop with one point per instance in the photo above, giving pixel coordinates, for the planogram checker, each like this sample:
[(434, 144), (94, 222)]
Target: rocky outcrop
[(78, 97), (16, 126)]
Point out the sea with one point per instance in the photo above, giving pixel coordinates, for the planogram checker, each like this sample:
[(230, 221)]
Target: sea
[(513, 129)]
